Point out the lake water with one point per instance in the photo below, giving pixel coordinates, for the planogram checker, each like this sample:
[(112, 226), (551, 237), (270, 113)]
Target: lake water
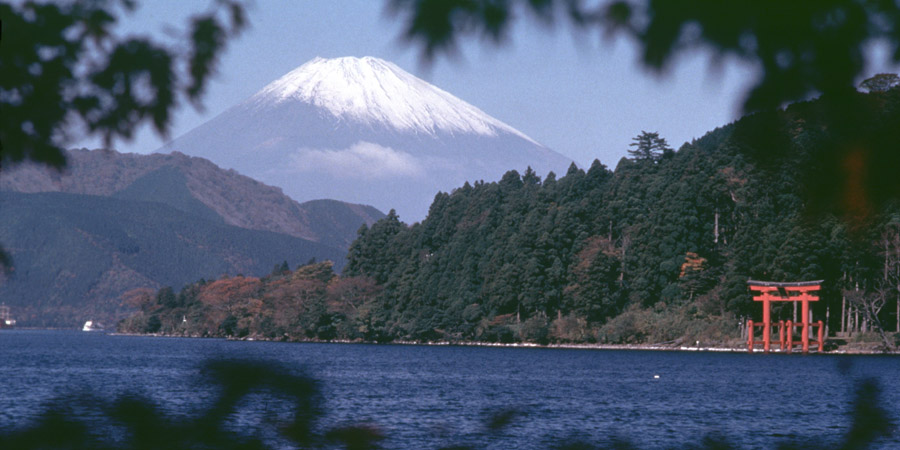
[(426, 397)]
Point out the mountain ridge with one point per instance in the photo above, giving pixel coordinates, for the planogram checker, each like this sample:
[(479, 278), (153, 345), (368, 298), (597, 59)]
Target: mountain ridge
[(238, 200)]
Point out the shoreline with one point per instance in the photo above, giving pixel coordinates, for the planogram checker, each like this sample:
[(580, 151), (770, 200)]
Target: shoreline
[(862, 350), (636, 347)]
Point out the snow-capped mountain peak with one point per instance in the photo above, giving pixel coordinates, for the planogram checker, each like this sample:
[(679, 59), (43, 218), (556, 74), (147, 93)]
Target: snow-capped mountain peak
[(373, 91), (364, 131)]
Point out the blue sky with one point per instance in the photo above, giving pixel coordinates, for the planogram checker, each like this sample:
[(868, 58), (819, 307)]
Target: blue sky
[(576, 93)]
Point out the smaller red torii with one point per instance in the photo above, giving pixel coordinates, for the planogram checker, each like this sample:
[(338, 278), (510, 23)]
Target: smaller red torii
[(771, 291)]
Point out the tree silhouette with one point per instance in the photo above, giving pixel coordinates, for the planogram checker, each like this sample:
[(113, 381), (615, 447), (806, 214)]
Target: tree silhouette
[(812, 47), (648, 147), (66, 74), (881, 82)]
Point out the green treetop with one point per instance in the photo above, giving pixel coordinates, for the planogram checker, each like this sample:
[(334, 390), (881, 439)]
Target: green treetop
[(648, 147)]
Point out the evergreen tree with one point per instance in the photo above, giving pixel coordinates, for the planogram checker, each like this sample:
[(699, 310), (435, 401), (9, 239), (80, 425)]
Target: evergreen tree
[(648, 147)]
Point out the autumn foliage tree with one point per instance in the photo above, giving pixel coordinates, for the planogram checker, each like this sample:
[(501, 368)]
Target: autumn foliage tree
[(311, 302)]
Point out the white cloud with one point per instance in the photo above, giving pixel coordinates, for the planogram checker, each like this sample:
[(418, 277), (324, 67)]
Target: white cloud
[(361, 160)]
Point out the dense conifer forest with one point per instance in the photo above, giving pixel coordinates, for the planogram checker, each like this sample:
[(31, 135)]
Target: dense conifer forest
[(657, 250)]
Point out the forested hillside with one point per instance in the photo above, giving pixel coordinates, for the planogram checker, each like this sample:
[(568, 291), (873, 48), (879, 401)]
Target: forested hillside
[(76, 254), (110, 222), (658, 250)]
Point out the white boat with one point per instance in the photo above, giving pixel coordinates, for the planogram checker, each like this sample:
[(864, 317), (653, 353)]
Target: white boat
[(90, 325), (5, 320)]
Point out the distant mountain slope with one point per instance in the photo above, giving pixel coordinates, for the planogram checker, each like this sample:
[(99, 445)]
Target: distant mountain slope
[(75, 255), (197, 186), (168, 185), (363, 130), (336, 223)]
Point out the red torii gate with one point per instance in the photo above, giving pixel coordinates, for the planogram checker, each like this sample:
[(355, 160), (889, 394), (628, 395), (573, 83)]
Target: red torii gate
[(771, 291)]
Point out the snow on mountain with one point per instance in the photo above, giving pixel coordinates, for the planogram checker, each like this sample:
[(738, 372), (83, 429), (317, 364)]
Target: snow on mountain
[(364, 130), (373, 91)]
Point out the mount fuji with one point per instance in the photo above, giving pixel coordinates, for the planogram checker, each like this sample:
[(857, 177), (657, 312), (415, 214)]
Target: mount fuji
[(363, 130)]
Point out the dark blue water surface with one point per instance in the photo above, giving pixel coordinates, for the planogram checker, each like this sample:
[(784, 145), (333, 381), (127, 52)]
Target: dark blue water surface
[(432, 396)]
